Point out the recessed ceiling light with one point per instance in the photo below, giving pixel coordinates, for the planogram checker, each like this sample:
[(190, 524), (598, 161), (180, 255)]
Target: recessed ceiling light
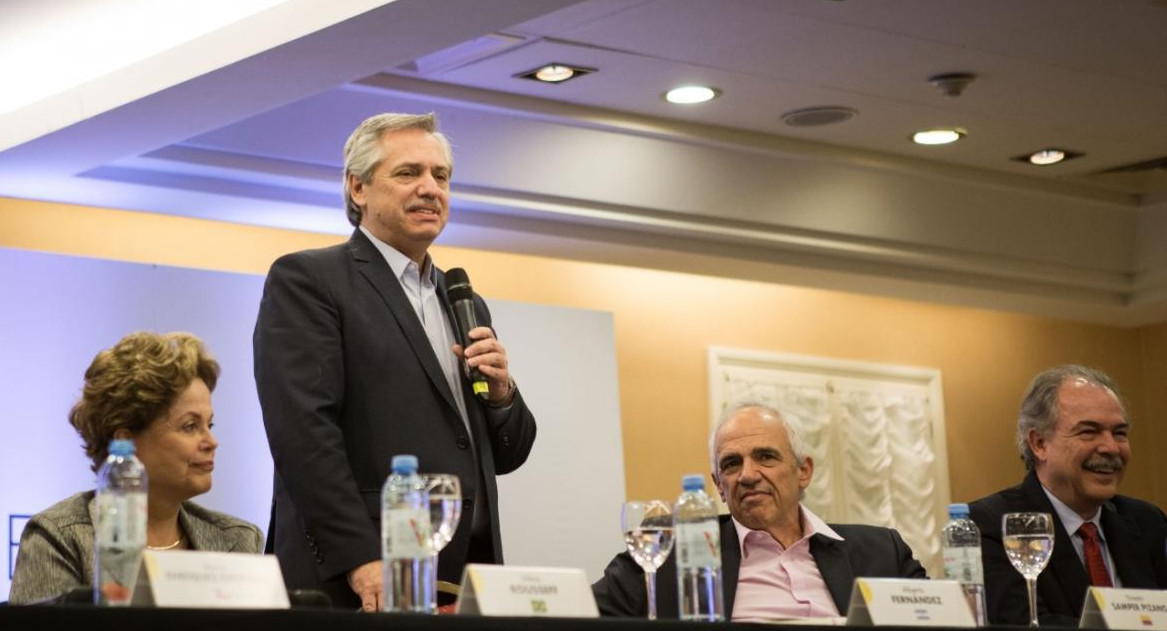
[(555, 73), (689, 94), (1047, 157), (938, 136)]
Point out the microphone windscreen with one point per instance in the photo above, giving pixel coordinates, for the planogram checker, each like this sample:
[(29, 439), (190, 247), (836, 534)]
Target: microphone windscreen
[(458, 285)]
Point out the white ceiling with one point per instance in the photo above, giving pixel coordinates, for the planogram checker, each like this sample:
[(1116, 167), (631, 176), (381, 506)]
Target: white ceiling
[(245, 123)]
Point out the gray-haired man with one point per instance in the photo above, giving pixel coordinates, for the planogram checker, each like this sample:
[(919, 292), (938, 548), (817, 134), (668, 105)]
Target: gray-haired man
[(1072, 433), (355, 362), (779, 560)]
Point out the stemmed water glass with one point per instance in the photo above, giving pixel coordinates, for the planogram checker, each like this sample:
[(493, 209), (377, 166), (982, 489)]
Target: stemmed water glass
[(445, 512), (1029, 541), (648, 534)]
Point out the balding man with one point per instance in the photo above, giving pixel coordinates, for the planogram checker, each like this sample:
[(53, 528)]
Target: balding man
[(1073, 436), (779, 560)]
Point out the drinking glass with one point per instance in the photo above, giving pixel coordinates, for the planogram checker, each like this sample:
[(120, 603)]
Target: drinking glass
[(1029, 541), (445, 493), (648, 534)]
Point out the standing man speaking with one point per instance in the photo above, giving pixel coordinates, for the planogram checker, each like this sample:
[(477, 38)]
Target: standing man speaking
[(356, 360)]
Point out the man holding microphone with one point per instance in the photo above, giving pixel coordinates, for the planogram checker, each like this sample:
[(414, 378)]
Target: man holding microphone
[(357, 359)]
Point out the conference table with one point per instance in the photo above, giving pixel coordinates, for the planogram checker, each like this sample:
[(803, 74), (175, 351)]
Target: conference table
[(88, 618)]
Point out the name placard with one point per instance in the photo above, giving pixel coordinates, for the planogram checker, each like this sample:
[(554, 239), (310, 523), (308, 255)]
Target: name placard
[(499, 590), (908, 603), (187, 578), (1114, 608)]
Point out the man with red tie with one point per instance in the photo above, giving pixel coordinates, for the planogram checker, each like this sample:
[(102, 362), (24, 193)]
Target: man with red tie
[(1073, 434)]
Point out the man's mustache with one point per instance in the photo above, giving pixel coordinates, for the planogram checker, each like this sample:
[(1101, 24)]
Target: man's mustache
[(1104, 463)]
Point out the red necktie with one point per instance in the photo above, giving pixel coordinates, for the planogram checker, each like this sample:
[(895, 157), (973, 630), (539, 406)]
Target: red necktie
[(1095, 564)]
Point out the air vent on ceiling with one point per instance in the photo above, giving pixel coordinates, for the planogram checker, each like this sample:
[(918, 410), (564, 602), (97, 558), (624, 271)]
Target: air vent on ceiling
[(1143, 178), (1139, 167), (818, 116)]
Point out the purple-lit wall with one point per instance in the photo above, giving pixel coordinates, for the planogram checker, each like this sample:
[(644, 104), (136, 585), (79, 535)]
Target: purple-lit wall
[(57, 312)]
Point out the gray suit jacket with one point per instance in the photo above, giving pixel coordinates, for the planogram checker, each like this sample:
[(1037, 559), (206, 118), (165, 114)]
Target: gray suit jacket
[(56, 548)]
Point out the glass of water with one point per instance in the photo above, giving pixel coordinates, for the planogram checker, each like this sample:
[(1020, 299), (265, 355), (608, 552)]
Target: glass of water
[(648, 534), (445, 512), (1029, 541)]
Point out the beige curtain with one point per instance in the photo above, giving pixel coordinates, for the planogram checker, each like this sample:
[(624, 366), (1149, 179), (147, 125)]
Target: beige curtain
[(872, 436)]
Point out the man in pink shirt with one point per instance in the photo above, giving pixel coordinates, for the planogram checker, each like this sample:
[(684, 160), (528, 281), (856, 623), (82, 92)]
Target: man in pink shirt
[(779, 560)]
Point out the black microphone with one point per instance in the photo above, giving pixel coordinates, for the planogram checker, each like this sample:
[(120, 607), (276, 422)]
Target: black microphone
[(461, 298)]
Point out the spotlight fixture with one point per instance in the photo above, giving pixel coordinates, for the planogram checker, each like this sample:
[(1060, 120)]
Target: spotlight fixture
[(938, 136), (555, 73), (1048, 157), (690, 94)]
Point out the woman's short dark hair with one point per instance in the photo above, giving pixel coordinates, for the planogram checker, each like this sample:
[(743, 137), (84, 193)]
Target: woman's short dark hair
[(134, 383)]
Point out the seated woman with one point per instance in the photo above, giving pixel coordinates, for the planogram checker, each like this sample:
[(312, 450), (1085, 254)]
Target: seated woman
[(156, 390)]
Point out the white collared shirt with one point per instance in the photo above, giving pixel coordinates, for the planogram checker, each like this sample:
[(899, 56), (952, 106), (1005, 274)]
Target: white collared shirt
[(421, 289)]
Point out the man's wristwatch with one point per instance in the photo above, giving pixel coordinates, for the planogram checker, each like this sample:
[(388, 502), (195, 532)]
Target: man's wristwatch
[(510, 398)]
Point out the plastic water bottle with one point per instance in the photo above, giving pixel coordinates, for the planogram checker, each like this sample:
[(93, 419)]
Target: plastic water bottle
[(406, 546), (698, 543), (120, 531), (961, 541)]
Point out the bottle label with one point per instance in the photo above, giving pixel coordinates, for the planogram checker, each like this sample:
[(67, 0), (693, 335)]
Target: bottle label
[(963, 564), (698, 544), (121, 519), (407, 533)]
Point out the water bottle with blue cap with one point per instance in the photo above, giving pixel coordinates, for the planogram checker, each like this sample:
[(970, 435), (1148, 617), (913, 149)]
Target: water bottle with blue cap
[(698, 552), (120, 531), (406, 544)]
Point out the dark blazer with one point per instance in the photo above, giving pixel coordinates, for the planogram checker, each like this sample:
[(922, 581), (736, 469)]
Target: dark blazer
[(347, 379), (1136, 535), (866, 551)]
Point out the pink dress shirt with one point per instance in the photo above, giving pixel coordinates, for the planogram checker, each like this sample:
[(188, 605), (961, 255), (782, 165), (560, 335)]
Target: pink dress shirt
[(781, 583)]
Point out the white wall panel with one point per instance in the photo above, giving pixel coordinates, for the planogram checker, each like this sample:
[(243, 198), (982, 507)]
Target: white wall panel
[(57, 312)]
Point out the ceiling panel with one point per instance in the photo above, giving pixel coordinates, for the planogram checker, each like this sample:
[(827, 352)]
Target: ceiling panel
[(604, 168)]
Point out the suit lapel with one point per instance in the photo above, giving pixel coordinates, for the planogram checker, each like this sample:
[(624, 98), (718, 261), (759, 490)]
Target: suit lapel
[(831, 557), (440, 276), (731, 561), (202, 535), (1123, 541), (372, 265), (1065, 568), (473, 412)]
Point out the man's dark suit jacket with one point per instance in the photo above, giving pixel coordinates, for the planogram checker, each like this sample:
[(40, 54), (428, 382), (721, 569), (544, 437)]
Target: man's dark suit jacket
[(1135, 532), (347, 379), (866, 551)]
